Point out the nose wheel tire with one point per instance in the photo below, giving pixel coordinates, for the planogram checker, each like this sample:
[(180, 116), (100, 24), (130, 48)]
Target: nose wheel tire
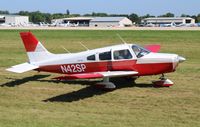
[(163, 82)]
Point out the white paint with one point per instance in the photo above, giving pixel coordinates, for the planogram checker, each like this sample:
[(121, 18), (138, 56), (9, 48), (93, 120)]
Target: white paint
[(40, 54), (20, 68), (157, 58)]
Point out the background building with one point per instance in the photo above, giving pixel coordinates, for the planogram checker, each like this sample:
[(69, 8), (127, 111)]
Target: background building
[(14, 20), (75, 21), (159, 21), (93, 21), (110, 22)]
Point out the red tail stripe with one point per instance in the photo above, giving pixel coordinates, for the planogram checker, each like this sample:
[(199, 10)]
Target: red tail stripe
[(29, 40)]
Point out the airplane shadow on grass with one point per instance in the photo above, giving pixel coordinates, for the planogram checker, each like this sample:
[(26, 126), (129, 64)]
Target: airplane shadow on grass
[(17, 82), (91, 90)]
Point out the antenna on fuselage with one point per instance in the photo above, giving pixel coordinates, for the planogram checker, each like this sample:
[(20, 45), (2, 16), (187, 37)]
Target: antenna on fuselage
[(121, 39), (84, 46), (65, 49)]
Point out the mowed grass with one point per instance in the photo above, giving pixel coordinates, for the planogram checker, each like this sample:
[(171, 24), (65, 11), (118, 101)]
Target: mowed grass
[(34, 99)]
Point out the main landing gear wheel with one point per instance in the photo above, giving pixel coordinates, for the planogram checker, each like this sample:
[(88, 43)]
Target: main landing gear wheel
[(132, 79), (106, 84), (163, 82)]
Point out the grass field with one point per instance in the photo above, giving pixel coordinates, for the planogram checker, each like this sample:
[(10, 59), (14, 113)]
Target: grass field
[(33, 99)]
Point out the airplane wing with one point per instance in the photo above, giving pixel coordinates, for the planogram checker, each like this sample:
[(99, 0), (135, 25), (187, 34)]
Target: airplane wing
[(153, 48), (20, 68), (97, 75)]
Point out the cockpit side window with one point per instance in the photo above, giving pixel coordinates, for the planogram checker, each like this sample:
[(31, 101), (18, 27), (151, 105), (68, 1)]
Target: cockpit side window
[(139, 51), (122, 54), (105, 56), (136, 50), (91, 58)]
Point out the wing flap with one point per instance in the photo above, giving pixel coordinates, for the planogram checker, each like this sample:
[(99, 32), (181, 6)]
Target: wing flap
[(117, 73), (20, 68)]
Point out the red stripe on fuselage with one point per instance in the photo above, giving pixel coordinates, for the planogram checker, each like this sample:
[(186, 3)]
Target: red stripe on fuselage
[(153, 68), (126, 65)]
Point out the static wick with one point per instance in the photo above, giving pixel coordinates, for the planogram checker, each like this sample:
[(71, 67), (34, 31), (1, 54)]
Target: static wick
[(121, 39)]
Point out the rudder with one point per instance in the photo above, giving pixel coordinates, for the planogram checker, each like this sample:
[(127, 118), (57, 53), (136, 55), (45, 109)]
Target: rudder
[(35, 50), (30, 42)]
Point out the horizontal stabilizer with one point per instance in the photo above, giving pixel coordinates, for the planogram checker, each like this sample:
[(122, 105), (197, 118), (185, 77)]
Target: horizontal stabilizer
[(94, 75), (22, 68)]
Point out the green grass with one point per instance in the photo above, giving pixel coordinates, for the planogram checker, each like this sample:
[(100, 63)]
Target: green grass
[(33, 99)]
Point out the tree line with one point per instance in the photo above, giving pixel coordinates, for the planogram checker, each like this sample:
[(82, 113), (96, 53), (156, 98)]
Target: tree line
[(38, 16)]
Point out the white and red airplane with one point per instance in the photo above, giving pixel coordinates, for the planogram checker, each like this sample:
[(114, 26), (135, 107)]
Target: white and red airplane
[(125, 60)]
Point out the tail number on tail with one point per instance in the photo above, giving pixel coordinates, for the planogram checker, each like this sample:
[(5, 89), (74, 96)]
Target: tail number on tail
[(73, 68)]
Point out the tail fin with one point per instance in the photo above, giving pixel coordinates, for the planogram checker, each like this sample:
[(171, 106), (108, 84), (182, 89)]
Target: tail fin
[(35, 50)]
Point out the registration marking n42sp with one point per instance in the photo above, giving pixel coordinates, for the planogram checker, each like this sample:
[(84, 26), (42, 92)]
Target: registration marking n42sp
[(73, 68)]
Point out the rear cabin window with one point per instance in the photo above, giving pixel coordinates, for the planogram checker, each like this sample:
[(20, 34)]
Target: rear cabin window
[(91, 58), (105, 56), (122, 54)]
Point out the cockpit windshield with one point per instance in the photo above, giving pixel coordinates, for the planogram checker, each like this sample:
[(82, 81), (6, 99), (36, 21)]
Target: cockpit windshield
[(139, 51)]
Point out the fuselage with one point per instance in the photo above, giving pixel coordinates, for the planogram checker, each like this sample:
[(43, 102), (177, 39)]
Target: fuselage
[(125, 57)]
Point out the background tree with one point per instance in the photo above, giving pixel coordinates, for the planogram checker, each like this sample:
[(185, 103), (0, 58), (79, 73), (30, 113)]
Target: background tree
[(100, 14), (169, 14), (184, 15), (57, 15), (119, 15), (38, 16), (194, 17), (24, 13), (4, 12), (67, 12), (134, 18), (148, 16)]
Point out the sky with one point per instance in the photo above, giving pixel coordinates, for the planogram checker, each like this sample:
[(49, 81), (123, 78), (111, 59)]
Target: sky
[(140, 7)]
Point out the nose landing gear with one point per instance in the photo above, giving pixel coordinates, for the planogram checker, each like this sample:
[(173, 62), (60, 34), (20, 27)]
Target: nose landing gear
[(163, 82)]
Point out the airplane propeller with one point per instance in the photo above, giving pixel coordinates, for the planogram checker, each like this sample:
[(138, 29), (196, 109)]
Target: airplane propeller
[(181, 59)]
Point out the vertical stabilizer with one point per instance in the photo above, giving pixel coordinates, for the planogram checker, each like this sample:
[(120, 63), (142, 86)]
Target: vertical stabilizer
[(35, 50)]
